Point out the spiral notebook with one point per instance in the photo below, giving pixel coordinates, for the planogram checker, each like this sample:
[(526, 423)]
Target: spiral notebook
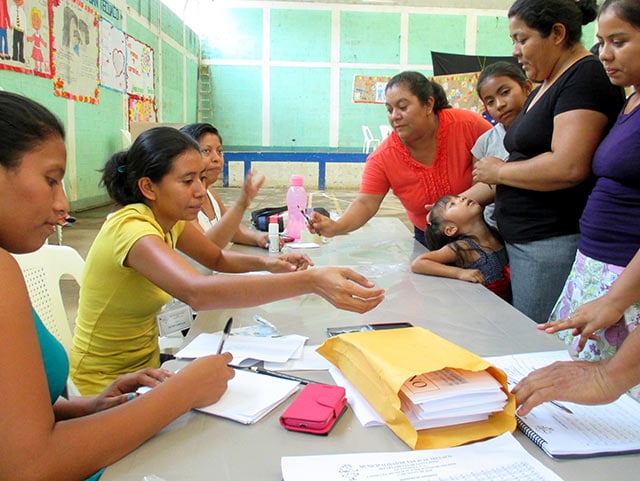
[(568, 430)]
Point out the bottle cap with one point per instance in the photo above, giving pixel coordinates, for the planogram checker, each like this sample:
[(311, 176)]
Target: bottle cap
[(296, 180), (273, 219)]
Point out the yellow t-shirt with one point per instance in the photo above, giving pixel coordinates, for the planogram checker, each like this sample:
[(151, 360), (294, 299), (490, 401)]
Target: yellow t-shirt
[(116, 329)]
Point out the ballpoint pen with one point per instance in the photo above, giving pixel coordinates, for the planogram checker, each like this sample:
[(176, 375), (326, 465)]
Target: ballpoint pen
[(562, 406), (281, 375), (225, 335), (306, 217)]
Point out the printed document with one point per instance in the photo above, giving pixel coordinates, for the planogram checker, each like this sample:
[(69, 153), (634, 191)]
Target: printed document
[(498, 459)]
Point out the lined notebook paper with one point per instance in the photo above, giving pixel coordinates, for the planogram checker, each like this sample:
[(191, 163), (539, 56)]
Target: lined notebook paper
[(585, 431)]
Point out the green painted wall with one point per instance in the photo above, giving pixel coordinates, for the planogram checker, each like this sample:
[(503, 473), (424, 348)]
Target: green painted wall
[(297, 92), (440, 33), (238, 104), (93, 131), (369, 37), (297, 96), (300, 35)]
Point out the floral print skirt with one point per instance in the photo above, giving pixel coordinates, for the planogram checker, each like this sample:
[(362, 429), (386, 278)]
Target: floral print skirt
[(588, 280)]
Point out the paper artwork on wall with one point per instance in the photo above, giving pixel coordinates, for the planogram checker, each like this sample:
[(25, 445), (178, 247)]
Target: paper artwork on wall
[(140, 68), (113, 56), (142, 109), (25, 36), (369, 89), (461, 90), (75, 51)]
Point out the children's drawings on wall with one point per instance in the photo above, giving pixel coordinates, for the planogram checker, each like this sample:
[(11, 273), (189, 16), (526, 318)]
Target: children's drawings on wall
[(113, 57), (368, 89), (25, 36), (75, 52), (461, 90), (140, 79), (142, 109)]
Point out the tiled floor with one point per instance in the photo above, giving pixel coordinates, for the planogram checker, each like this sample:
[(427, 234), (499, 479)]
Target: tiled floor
[(80, 236)]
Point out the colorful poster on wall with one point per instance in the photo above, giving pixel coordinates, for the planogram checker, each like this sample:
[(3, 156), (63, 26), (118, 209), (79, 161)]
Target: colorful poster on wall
[(75, 52), (142, 109), (25, 36), (140, 80), (461, 90), (369, 89), (113, 57)]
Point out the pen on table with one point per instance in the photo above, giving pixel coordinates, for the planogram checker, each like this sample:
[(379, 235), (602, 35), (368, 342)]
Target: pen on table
[(562, 406), (281, 375), (225, 335)]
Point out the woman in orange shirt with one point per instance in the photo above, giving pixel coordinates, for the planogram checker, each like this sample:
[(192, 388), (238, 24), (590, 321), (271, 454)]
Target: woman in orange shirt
[(427, 155)]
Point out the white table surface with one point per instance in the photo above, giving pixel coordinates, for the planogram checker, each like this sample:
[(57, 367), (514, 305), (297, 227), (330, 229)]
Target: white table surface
[(199, 447)]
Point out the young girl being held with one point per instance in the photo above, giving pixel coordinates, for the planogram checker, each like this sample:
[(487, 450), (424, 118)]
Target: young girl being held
[(463, 246)]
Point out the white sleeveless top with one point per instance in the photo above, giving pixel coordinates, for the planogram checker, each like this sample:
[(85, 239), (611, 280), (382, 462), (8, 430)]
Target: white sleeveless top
[(206, 224)]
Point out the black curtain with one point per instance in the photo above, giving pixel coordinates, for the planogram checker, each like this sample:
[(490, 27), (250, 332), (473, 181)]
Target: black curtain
[(452, 63)]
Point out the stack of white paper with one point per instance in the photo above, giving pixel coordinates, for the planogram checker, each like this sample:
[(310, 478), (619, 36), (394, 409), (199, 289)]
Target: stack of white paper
[(250, 397), (272, 349), (450, 396)]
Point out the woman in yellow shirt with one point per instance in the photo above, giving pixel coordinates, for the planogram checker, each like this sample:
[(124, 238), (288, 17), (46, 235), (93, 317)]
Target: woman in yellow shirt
[(132, 268)]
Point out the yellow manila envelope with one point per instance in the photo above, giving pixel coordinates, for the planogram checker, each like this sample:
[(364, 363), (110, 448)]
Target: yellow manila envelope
[(377, 363)]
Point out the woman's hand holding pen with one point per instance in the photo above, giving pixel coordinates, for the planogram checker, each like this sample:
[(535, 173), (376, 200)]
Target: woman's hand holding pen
[(321, 225), (205, 379), (345, 289), (582, 382)]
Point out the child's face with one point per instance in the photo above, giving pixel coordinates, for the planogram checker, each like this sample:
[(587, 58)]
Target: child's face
[(460, 210), (504, 98)]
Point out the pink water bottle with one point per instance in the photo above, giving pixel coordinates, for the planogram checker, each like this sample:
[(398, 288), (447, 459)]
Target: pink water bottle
[(296, 203)]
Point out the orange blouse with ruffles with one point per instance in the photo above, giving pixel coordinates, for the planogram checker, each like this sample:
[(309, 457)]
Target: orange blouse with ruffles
[(391, 166)]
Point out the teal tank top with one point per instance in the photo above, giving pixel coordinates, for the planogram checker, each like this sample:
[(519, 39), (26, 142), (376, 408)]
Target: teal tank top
[(56, 366)]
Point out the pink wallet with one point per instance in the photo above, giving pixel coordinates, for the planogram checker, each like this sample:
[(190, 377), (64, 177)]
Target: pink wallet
[(316, 409)]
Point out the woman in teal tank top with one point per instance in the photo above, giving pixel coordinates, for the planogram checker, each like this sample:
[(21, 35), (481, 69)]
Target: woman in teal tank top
[(50, 436)]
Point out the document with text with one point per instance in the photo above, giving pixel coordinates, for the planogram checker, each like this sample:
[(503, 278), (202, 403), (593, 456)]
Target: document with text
[(498, 459)]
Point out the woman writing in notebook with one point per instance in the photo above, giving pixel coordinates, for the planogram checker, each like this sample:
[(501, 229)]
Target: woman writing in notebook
[(47, 435), (159, 184), (463, 246), (606, 232)]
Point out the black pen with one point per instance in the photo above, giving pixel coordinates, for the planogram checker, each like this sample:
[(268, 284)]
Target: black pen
[(225, 334), (562, 406), (281, 375), (306, 217)]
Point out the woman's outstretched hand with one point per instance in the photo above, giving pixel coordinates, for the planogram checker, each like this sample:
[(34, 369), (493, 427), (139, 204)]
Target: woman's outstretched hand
[(346, 289)]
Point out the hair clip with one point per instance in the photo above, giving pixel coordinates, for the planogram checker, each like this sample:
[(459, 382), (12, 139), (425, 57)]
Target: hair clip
[(122, 169)]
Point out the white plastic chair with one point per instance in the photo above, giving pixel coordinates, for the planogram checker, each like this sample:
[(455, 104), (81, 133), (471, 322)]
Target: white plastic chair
[(42, 271), (385, 131), (369, 140)]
